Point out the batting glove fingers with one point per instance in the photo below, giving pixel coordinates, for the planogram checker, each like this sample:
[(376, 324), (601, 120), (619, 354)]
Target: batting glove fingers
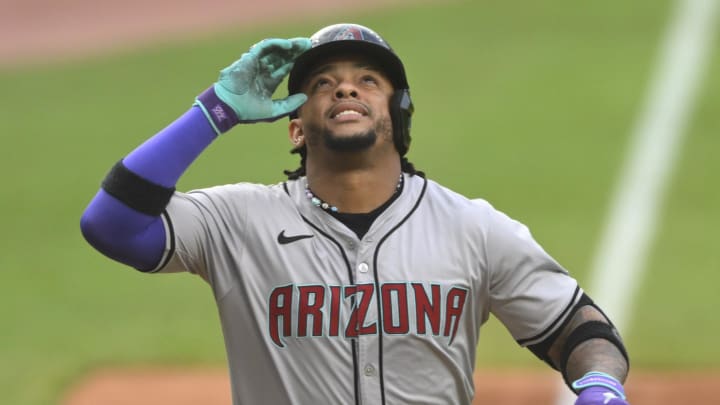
[(248, 84), (244, 90)]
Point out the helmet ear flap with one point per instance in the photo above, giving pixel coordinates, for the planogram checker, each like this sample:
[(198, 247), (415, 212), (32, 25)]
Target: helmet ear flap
[(401, 110)]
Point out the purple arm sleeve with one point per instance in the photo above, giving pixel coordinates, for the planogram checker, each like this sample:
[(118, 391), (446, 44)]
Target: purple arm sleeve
[(131, 237)]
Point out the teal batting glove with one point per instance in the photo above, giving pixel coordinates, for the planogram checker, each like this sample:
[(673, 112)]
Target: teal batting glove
[(243, 93)]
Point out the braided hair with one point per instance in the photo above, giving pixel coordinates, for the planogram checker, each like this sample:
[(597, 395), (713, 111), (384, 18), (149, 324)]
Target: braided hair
[(405, 165)]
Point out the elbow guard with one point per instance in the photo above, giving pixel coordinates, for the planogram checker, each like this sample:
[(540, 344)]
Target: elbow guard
[(586, 331)]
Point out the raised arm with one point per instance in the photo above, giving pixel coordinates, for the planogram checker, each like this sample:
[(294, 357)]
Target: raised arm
[(124, 219)]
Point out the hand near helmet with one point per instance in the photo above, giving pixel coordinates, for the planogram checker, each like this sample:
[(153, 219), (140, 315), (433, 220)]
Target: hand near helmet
[(244, 90)]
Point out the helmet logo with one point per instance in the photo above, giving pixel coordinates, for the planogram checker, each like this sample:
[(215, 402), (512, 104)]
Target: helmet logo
[(349, 33)]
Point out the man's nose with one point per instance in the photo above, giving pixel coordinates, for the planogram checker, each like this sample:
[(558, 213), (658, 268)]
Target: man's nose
[(346, 90)]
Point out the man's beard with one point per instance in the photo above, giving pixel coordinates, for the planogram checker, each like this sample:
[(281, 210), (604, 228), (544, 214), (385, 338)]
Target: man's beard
[(353, 143)]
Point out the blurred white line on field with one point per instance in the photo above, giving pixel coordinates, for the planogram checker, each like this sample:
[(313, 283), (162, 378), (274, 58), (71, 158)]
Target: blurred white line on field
[(620, 258)]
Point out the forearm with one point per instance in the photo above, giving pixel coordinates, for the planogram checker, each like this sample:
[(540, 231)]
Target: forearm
[(163, 158), (126, 234), (123, 220), (596, 355), (591, 356)]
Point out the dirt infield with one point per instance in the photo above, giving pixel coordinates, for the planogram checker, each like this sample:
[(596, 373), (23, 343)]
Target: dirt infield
[(164, 386), (40, 31)]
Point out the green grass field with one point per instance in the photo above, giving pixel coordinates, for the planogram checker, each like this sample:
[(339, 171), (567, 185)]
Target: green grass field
[(529, 105)]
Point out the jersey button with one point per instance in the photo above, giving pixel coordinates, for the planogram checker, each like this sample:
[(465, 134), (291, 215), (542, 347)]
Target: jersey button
[(363, 267), (369, 370)]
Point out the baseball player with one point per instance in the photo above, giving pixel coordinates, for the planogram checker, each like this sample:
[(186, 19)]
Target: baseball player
[(357, 280)]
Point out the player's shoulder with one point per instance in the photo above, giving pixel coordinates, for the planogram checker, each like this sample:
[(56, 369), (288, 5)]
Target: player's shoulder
[(244, 193), (455, 201), (235, 189)]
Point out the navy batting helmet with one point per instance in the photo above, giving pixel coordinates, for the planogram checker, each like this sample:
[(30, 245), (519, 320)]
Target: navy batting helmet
[(360, 40)]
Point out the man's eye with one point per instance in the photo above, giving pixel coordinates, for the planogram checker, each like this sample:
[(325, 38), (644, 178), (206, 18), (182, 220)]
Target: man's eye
[(321, 83), (369, 80)]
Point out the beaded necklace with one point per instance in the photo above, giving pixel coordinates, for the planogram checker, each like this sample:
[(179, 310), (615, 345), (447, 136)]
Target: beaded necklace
[(316, 201)]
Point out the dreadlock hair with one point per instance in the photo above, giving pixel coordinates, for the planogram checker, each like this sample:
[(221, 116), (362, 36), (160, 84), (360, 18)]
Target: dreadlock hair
[(300, 171), (405, 165)]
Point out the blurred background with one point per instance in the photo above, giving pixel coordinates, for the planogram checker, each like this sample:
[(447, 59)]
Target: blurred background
[(530, 105)]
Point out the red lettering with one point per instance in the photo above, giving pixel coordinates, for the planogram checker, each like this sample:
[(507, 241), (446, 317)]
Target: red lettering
[(426, 310), (334, 328), (352, 326), (399, 290), (453, 311), (318, 307), (280, 313), (356, 324), (307, 309)]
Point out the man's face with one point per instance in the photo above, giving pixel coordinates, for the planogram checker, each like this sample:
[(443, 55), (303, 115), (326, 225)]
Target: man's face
[(348, 105)]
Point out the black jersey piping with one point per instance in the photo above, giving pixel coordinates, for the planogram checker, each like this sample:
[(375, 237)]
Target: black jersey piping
[(353, 343), (378, 297), (547, 330), (352, 303)]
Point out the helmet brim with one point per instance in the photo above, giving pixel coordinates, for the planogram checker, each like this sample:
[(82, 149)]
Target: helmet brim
[(384, 58)]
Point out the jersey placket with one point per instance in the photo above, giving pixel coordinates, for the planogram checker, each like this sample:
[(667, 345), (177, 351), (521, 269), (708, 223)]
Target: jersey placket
[(369, 372)]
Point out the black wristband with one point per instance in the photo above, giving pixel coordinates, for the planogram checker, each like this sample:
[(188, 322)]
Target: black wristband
[(136, 192), (221, 116)]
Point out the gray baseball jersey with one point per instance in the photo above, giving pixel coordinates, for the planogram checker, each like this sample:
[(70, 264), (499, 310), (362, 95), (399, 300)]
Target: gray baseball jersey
[(311, 314)]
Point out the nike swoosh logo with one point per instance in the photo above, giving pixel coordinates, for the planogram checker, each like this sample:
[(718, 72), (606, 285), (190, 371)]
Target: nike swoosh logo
[(284, 240)]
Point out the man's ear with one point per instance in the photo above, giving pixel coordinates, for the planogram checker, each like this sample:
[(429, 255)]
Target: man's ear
[(296, 133)]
